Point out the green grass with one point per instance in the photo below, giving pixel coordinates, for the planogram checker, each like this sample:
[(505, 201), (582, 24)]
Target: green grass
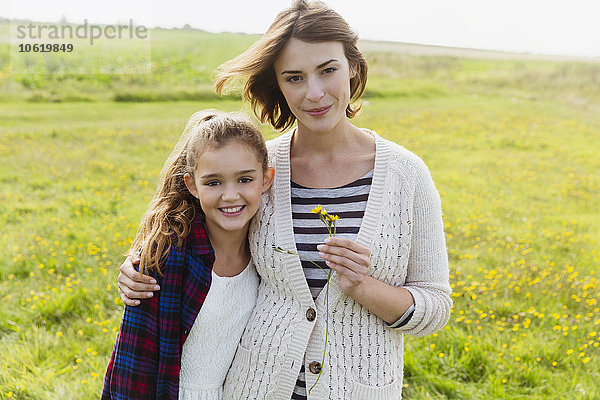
[(512, 147)]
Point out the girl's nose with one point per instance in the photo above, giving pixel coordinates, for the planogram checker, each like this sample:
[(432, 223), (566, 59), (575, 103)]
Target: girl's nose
[(230, 193)]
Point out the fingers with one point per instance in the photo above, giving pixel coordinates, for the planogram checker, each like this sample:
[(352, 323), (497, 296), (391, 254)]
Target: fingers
[(127, 300), (359, 254), (348, 244), (348, 258), (340, 263), (128, 270), (133, 289), (137, 283), (133, 285), (354, 276)]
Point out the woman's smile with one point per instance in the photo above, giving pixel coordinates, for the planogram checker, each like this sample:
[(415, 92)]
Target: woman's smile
[(317, 112)]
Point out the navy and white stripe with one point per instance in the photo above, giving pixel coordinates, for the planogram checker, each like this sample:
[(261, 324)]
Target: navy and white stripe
[(349, 203)]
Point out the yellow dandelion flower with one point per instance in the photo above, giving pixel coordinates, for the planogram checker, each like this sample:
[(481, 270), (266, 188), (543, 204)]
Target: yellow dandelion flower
[(330, 217), (317, 210)]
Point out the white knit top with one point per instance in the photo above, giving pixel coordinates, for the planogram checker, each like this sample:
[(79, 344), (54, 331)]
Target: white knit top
[(402, 226), (215, 334)]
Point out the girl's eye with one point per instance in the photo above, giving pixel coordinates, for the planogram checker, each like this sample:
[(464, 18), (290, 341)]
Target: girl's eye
[(293, 78), (212, 183), (245, 180), (329, 70)]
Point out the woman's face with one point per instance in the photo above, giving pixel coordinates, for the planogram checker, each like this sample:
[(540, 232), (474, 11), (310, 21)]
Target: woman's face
[(315, 80)]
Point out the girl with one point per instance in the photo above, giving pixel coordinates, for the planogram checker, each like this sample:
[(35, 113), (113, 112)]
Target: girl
[(389, 257), (193, 240)]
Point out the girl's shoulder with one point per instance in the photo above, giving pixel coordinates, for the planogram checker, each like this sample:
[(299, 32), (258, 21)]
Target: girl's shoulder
[(195, 243), (197, 240)]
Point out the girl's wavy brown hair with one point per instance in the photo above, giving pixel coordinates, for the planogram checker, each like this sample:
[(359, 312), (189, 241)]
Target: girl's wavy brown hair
[(170, 214), (312, 22)]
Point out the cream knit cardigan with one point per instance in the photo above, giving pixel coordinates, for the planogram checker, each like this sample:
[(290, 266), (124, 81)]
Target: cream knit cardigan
[(403, 228)]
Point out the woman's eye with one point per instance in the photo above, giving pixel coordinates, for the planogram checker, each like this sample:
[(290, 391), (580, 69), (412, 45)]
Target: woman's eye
[(329, 70), (212, 183), (293, 78)]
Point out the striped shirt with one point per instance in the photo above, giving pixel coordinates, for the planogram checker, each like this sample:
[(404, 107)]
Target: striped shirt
[(349, 203)]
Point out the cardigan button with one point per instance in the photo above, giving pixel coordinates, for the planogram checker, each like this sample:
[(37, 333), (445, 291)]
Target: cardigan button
[(311, 314), (314, 367), (186, 332)]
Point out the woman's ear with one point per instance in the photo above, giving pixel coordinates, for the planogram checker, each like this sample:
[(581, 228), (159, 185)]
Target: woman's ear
[(353, 69), (190, 184), (268, 178)]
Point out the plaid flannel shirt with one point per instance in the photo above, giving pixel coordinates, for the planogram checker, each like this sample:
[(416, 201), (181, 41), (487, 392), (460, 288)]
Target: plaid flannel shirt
[(146, 359)]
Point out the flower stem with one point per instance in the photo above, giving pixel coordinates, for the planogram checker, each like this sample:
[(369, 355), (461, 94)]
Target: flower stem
[(326, 331), (330, 223), (280, 250)]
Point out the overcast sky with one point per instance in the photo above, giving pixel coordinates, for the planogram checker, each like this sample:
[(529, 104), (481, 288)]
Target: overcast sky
[(561, 27)]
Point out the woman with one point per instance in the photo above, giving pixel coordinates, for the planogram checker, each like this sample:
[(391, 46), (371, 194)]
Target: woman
[(389, 254)]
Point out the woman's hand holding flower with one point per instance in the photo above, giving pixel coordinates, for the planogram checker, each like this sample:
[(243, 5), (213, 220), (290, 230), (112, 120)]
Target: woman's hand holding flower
[(349, 259)]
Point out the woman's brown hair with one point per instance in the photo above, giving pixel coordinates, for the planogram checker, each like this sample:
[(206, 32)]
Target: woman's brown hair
[(169, 217), (312, 22)]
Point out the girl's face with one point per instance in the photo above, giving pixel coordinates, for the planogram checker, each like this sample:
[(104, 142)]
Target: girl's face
[(229, 182), (315, 80)]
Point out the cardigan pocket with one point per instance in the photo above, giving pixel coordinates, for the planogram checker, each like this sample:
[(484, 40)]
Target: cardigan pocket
[(391, 391), (235, 382)]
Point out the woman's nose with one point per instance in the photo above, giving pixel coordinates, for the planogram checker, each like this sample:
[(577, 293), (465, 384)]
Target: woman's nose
[(314, 91)]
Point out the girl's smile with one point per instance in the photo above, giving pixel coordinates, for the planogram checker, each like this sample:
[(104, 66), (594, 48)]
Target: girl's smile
[(232, 211)]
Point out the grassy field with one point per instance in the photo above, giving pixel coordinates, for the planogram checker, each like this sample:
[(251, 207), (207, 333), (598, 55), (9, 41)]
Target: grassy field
[(512, 146)]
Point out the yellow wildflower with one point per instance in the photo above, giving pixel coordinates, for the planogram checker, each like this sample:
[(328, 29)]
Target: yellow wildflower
[(330, 217)]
